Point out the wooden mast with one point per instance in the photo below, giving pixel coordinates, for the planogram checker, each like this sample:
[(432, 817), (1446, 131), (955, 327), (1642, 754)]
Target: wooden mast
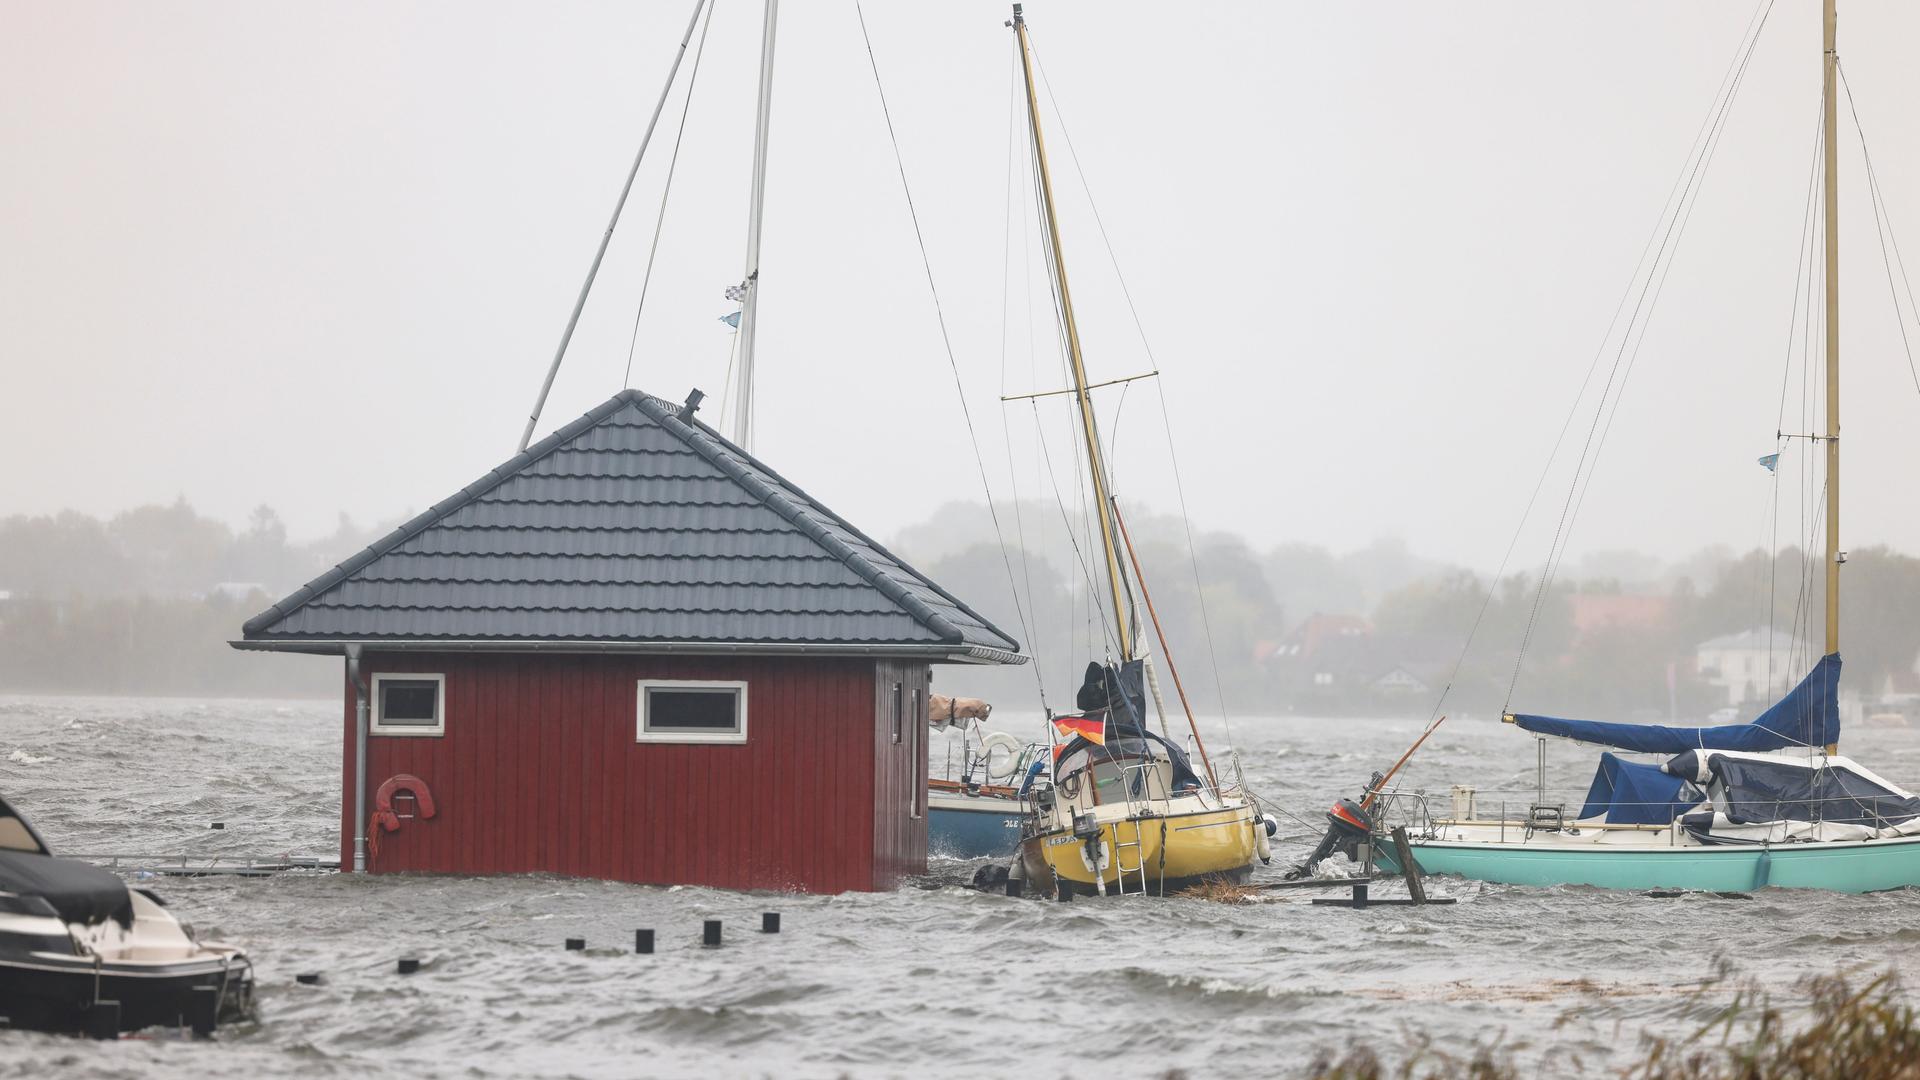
[(1831, 66), (1096, 463)]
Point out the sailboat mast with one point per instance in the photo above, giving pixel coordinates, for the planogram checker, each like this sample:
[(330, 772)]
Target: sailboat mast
[(1831, 66), (750, 303), (1096, 462)]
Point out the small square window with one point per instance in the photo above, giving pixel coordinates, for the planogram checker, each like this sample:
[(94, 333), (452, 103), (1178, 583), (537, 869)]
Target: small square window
[(678, 711), (409, 704)]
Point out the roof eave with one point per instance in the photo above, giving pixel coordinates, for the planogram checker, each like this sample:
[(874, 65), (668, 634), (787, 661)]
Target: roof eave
[(941, 652)]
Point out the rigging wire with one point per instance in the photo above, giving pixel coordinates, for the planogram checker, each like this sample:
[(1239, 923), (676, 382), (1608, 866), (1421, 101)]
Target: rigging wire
[(1645, 323), (946, 340), (660, 219), (1803, 275), (1573, 410), (1883, 229), (726, 383), (1034, 634), (1073, 538), (1648, 293)]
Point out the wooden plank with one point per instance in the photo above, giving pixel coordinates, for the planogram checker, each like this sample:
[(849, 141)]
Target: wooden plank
[(1409, 868), (577, 810), (540, 792), (514, 722), (1397, 901), (608, 728), (800, 855)]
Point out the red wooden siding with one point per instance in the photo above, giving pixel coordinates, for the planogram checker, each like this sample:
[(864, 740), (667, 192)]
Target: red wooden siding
[(539, 771)]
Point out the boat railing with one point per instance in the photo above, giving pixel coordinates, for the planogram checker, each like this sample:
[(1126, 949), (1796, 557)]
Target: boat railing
[(1143, 783), (1408, 808), (1525, 814)]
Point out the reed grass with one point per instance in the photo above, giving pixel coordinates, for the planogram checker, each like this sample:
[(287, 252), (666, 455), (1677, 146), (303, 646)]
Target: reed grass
[(1220, 892), (1850, 1032)]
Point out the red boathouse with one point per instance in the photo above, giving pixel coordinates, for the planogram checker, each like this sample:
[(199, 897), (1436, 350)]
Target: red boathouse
[(634, 652)]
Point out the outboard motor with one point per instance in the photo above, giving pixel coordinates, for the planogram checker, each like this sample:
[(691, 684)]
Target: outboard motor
[(1348, 824)]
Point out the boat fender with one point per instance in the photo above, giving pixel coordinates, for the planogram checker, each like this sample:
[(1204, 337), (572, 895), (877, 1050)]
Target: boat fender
[(1263, 838), (1001, 771)]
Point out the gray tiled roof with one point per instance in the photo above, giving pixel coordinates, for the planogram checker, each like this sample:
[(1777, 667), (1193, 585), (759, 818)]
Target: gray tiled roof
[(630, 527)]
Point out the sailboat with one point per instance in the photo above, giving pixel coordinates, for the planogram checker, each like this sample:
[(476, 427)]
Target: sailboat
[(1118, 808), (1729, 808)]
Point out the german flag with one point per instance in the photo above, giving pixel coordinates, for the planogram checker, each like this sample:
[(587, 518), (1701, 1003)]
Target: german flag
[(1089, 728)]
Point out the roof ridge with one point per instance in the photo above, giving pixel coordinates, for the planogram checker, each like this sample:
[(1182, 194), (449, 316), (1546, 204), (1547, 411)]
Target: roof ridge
[(801, 531), (702, 427), (420, 522), (783, 505)]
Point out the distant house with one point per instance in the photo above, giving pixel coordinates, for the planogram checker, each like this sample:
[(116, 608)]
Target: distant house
[(1401, 681), (1753, 665), (1592, 613), (636, 652), (1336, 663), (1321, 644), (234, 592)]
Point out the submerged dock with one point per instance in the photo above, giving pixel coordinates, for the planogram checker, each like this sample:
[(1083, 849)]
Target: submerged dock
[(209, 865)]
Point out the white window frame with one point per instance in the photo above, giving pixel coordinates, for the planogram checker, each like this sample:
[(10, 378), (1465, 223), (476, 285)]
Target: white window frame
[(439, 728), (642, 735)]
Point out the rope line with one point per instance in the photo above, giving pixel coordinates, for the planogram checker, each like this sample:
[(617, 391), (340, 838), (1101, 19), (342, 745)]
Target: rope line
[(1649, 293), (1006, 430), (660, 219), (1883, 229), (940, 315), (1803, 274)]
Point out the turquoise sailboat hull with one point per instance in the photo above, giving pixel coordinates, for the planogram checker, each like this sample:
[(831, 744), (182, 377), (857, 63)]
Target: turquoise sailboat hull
[(1857, 866)]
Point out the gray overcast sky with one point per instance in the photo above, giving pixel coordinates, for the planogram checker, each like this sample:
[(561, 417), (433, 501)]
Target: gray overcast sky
[(318, 255)]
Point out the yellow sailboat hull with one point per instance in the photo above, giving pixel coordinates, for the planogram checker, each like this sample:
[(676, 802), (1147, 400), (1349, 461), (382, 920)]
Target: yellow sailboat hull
[(1173, 852)]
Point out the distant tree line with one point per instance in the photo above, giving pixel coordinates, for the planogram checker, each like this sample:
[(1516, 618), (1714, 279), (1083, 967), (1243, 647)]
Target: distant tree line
[(145, 601), (1420, 614)]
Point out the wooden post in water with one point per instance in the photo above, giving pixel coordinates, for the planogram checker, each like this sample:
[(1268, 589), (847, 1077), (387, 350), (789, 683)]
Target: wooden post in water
[(1403, 853)]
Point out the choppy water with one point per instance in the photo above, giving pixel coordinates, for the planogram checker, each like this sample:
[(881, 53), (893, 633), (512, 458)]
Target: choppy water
[(933, 980)]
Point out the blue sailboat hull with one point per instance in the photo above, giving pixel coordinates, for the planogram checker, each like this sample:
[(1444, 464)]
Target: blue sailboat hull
[(972, 826), (1858, 866)]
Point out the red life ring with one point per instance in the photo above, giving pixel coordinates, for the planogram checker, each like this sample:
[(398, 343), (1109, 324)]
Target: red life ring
[(385, 817)]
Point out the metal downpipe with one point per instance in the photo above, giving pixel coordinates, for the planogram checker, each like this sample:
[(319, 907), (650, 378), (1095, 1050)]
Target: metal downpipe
[(360, 707)]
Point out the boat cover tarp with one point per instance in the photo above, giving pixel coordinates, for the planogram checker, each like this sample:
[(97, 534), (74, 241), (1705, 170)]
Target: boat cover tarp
[(80, 892), (1758, 792), (1118, 689), (1124, 741), (1808, 716), (1629, 793)]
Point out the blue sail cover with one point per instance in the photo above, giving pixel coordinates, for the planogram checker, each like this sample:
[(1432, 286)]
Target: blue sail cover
[(1808, 716), (1634, 794)]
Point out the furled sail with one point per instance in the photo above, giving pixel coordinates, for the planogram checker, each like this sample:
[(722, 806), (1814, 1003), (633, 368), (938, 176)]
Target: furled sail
[(1808, 716)]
